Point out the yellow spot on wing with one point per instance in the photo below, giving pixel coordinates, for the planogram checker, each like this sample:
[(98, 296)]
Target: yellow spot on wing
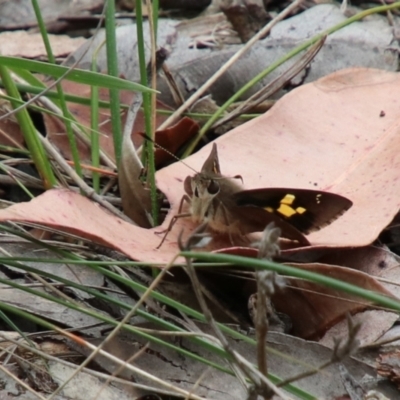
[(286, 210), (285, 207), (288, 199)]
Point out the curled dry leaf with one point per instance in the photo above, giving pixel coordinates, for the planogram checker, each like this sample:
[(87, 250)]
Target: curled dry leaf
[(325, 308), (314, 308), (338, 134), (136, 200), (173, 138)]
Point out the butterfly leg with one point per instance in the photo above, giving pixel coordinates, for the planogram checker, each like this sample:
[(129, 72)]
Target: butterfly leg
[(174, 219)]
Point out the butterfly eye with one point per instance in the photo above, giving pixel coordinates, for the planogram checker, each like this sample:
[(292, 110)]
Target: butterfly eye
[(213, 187)]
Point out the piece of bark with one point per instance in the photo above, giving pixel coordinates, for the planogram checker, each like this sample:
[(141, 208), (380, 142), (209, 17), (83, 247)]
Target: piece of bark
[(246, 16)]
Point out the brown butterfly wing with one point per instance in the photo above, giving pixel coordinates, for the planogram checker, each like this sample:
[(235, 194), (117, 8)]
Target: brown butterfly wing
[(306, 210)]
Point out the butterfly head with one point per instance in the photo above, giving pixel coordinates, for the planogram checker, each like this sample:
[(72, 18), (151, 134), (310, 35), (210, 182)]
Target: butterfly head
[(202, 190)]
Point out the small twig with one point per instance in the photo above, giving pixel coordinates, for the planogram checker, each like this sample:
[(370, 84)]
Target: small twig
[(268, 248), (15, 176), (272, 86), (120, 368), (350, 345)]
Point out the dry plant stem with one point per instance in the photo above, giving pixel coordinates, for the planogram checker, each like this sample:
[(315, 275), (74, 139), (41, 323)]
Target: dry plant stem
[(80, 182), (139, 371), (57, 81), (217, 304), (153, 66), (91, 372), (380, 343), (268, 248), (172, 333), (21, 227), (173, 87), (41, 286), (273, 86), (118, 370), (261, 325), (10, 138), (52, 289), (152, 304), (150, 145), (132, 368), (134, 107), (23, 177), (8, 352), (108, 187), (329, 296), (200, 379), (189, 102), (351, 344), (265, 387), (114, 332), (207, 314)]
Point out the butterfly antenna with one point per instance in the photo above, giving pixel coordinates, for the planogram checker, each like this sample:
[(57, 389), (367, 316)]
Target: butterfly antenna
[(146, 137)]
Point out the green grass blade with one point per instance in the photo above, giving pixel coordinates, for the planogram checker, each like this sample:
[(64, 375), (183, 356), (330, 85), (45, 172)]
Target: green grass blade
[(76, 75), (148, 154), (95, 135), (60, 92), (112, 64), (29, 131), (299, 273)]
